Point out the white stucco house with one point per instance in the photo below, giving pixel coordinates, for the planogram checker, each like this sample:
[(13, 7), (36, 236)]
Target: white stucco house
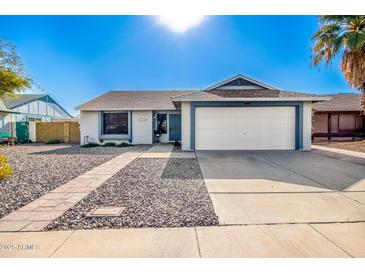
[(239, 113)]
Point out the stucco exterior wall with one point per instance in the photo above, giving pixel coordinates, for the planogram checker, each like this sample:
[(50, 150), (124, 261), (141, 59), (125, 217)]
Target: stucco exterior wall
[(142, 127), (307, 125), (89, 127), (185, 126)]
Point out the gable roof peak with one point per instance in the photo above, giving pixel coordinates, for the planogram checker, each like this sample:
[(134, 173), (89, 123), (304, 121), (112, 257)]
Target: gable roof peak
[(243, 77)]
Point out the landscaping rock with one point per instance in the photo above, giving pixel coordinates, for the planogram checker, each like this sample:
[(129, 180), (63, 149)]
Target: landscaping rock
[(153, 193), (39, 169)]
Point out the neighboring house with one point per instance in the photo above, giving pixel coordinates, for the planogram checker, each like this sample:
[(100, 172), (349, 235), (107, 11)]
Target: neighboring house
[(238, 113), (5, 112), (340, 117), (26, 108)]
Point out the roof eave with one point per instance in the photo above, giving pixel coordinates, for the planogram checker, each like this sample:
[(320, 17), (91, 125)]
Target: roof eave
[(337, 110), (9, 111), (311, 99), (125, 109)]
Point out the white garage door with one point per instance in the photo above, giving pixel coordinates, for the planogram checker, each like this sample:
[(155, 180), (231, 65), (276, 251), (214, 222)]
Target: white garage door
[(246, 128)]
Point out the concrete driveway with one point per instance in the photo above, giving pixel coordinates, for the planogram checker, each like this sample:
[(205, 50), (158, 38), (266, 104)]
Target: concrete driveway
[(288, 188), (269, 187)]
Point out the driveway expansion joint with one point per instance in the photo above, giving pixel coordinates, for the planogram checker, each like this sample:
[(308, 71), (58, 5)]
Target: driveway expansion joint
[(197, 242), (61, 244), (330, 240)]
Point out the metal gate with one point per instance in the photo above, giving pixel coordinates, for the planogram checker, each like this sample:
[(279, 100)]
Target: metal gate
[(22, 131)]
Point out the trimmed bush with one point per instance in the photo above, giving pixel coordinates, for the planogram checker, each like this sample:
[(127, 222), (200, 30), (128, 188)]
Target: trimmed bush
[(109, 144), (124, 145), (5, 169), (53, 142), (91, 145)]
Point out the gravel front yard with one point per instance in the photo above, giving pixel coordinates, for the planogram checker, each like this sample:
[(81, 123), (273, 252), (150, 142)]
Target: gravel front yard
[(39, 169), (347, 145), (154, 193)]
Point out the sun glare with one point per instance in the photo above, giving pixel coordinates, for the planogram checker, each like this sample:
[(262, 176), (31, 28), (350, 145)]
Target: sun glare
[(180, 23)]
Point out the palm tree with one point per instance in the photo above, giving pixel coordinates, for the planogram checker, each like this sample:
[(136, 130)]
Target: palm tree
[(344, 35)]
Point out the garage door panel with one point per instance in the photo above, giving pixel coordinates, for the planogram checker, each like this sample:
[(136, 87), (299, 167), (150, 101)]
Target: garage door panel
[(245, 128), (238, 140), (230, 122), (270, 123)]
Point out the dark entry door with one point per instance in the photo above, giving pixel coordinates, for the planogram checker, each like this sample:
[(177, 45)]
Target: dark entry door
[(175, 127)]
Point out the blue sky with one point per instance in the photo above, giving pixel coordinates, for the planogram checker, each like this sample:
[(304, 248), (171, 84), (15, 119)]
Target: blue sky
[(75, 58)]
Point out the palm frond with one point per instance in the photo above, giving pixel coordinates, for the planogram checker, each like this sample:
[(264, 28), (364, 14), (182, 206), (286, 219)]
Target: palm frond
[(342, 34)]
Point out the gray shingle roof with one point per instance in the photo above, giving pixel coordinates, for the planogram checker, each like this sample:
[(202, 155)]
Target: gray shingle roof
[(21, 99), (3, 108), (260, 93), (340, 102), (228, 95), (163, 99), (196, 96), (133, 100)]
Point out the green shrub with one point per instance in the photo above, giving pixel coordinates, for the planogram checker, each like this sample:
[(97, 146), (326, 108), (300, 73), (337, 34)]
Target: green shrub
[(109, 144), (123, 145), (5, 169), (90, 145), (53, 142)]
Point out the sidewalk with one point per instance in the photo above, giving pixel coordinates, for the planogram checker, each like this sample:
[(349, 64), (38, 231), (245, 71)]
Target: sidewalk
[(342, 154), (343, 151), (284, 240)]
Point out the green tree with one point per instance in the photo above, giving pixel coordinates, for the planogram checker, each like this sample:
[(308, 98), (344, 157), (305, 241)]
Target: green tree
[(13, 77), (343, 36)]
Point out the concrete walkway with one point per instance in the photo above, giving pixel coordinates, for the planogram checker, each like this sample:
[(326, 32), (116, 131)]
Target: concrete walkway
[(295, 240), (39, 213), (342, 151), (341, 154), (164, 151)]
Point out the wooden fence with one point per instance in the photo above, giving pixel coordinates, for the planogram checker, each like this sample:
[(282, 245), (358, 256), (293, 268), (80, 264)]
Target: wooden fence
[(66, 132)]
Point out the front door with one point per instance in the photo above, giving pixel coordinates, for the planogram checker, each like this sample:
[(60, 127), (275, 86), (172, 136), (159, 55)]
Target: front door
[(175, 127)]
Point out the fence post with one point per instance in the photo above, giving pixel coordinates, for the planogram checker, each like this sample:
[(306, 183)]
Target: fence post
[(66, 132)]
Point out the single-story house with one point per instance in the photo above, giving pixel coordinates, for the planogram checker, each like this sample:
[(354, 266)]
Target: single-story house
[(341, 117), (239, 113), (25, 108)]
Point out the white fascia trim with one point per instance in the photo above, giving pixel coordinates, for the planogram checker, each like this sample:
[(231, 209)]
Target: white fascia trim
[(121, 110), (243, 77), (262, 99)]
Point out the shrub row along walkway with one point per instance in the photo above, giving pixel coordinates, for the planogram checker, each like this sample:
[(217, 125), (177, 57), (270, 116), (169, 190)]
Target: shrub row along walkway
[(38, 214)]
